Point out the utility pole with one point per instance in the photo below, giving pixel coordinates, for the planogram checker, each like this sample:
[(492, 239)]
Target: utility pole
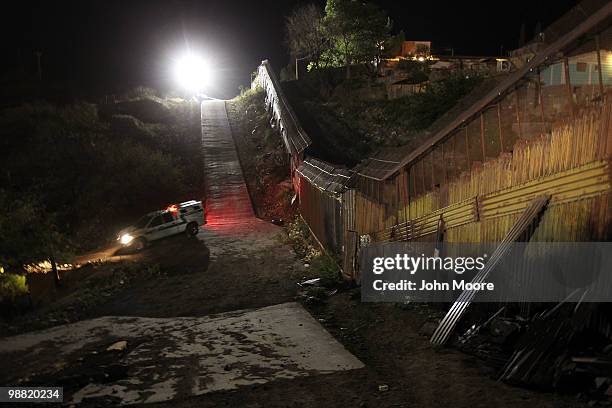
[(297, 75)]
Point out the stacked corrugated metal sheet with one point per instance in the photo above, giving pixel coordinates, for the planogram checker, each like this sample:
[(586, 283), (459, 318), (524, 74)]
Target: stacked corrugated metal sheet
[(447, 325)]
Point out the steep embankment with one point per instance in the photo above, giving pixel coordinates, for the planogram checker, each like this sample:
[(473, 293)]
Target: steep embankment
[(262, 156), (333, 139), (347, 120)]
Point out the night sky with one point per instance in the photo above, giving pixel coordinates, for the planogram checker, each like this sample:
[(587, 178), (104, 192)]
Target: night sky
[(106, 46)]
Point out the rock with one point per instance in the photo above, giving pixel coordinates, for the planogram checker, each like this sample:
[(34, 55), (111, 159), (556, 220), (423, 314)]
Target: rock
[(383, 388), (118, 346)]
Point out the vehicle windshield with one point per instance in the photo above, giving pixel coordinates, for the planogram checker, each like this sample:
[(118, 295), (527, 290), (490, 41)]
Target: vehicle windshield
[(141, 223)]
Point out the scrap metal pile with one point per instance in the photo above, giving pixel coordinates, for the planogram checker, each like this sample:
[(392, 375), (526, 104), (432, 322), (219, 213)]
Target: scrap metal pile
[(565, 347)]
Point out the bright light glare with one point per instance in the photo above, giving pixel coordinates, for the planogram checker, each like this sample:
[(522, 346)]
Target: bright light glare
[(126, 239), (192, 73)]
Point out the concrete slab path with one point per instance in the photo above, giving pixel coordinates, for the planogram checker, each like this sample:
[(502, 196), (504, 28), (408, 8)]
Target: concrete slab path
[(180, 357), (227, 200)]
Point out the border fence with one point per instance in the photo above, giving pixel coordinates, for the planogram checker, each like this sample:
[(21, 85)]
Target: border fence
[(545, 128)]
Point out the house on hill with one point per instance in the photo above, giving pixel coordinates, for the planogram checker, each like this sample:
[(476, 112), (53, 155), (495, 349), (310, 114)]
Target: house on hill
[(398, 73)]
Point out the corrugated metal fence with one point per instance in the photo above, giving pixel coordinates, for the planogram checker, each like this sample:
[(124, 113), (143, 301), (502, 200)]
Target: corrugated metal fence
[(520, 140), (319, 185)]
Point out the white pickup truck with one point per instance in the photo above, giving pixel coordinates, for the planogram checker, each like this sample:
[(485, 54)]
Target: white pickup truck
[(185, 217)]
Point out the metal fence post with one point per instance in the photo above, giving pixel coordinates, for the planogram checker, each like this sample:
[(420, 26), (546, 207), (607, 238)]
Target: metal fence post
[(499, 124)]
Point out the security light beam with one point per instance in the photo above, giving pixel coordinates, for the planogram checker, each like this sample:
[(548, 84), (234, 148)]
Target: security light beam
[(192, 73)]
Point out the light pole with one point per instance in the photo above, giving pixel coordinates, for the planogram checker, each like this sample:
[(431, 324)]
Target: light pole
[(297, 75)]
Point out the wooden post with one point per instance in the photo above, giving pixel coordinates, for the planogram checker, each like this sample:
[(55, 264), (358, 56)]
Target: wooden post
[(499, 124), (518, 113), (568, 84), (467, 150), (599, 74), (445, 164), (482, 138), (541, 102)]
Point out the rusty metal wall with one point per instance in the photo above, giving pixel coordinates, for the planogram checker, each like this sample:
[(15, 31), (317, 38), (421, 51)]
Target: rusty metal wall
[(487, 217), (351, 237), (322, 212), (525, 136), (572, 163), (319, 185)]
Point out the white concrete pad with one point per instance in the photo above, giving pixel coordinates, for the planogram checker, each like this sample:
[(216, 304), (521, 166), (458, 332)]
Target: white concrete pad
[(168, 358)]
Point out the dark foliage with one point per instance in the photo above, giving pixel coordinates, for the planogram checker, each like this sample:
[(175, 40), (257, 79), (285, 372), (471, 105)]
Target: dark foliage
[(69, 179)]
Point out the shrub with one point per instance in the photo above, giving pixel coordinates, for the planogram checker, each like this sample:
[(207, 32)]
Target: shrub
[(148, 110), (418, 111), (129, 126), (325, 267), (12, 286), (301, 241), (140, 92)]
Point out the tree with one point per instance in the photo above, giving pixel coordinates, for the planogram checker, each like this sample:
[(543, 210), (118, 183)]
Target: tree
[(393, 45), (29, 234), (304, 34), (357, 32), (70, 180)]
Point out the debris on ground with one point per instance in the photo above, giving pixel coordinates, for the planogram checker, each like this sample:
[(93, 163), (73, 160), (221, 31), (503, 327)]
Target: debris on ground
[(566, 347), (117, 346), (332, 292), (311, 282)]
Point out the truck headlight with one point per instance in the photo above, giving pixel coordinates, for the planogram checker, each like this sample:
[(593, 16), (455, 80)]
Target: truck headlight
[(126, 239)]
